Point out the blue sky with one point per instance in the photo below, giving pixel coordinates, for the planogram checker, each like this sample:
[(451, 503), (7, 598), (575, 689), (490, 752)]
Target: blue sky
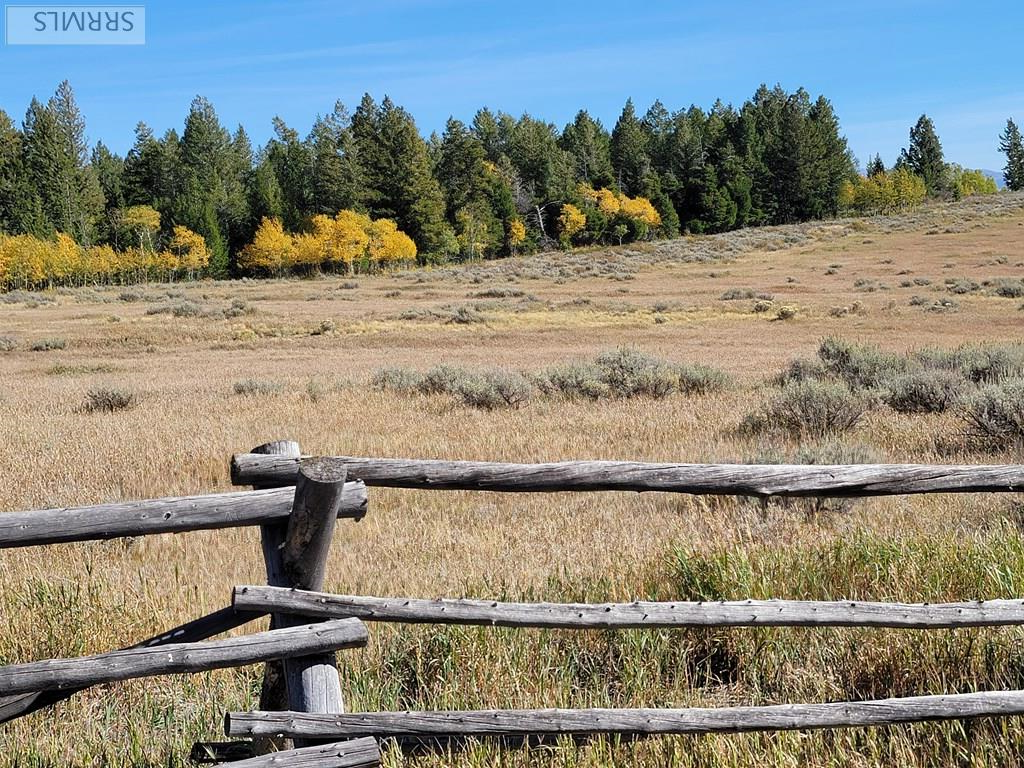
[(881, 63)]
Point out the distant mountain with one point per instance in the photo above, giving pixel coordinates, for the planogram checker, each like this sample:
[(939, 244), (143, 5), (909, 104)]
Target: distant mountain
[(997, 176)]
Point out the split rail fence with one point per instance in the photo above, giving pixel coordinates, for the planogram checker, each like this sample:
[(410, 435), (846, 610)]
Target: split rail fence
[(297, 501)]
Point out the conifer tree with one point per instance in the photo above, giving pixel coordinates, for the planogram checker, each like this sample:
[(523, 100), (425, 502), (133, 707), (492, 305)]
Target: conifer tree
[(589, 145), (629, 152), (1011, 145), (924, 156)]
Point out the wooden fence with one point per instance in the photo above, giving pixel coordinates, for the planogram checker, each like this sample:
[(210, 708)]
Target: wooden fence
[(297, 501)]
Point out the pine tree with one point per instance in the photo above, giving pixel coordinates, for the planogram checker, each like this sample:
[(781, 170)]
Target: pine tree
[(45, 167), (83, 204), (337, 175), (405, 181), (370, 154), (460, 167), (265, 198), (589, 144), (629, 152), (924, 156), (875, 166), (208, 178), (14, 190), (1011, 145), (826, 163), (292, 163), (109, 170), (545, 168)]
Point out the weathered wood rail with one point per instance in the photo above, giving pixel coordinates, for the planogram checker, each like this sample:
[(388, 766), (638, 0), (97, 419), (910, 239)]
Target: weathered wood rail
[(635, 615), (357, 753), (711, 479), (169, 515), (216, 623), (628, 722), (296, 503), (177, 658)]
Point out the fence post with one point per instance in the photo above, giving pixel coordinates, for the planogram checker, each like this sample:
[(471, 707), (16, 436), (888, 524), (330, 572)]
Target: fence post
[(296, 556), (312, 681), (273, 694)]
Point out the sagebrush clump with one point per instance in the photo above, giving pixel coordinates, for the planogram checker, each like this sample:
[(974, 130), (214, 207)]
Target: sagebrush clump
[(108, 400), (994, 416), (619, 373), (809, 409), (928, 391), (255, 387)]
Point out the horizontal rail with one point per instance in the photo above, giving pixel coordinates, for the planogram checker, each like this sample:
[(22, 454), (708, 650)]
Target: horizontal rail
[(627, 722), (740, 613), (714, 479), (168, 515), (178, 658), (358, 753), (215, 623)]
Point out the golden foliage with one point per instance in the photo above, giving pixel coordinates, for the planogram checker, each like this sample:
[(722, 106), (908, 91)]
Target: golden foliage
[(347, 240), (190, 249), (30, 262), (885, 192), (516, 232), (570, 221), (638, 209), (271, 249)]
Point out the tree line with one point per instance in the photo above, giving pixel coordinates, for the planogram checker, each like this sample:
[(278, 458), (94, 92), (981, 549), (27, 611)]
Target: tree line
[(365, 189)]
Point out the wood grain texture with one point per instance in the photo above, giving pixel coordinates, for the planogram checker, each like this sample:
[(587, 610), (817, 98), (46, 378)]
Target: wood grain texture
[(203, 628), (759, 480), (738, 613), (274, 691), (168, 515), (178, 658), (319, 495), (357, 753), (527, 722), (312, 681)]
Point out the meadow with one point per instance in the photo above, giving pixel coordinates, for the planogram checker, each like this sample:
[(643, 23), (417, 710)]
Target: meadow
[(141, 391)]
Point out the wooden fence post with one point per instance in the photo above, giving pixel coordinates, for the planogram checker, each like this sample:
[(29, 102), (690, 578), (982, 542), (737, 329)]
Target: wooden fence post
[(296, 556), (274, 695), (312, 681)]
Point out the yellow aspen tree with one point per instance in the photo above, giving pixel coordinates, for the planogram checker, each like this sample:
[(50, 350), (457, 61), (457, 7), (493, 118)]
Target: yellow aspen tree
[(640, 210), (270, 250), (516, 234), (142, 222), (349, 239), (190, 249), (570, 222)]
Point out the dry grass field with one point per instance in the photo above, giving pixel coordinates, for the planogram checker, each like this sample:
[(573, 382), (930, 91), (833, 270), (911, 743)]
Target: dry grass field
[(216, 368)]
